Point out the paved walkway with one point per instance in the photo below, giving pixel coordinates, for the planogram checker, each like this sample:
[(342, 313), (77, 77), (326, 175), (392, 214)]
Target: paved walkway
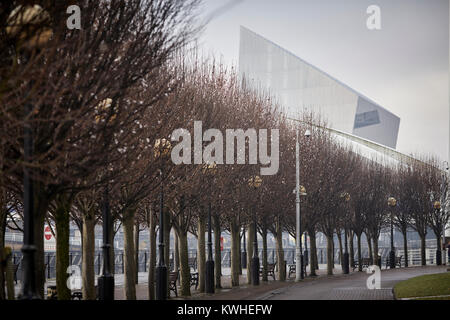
[(349, 287)]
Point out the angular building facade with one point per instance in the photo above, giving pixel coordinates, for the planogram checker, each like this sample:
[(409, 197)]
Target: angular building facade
[(300, 86)]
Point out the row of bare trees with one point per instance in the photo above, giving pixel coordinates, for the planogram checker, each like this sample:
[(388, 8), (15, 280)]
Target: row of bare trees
[(102, 105)]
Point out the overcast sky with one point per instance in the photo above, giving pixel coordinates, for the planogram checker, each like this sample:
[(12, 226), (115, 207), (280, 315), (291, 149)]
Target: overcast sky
[(404, 66)]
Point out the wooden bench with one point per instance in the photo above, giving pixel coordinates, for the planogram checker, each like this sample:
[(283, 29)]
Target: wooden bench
[(365, 263), (270, 270), (194, 280), (173, 277)]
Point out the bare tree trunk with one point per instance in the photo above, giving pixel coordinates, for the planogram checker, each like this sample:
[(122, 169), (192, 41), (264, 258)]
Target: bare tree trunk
[(129, 257), (62, 246), (177, 253), (339, 235), (185, 271), (41, 203), (152, 258), (330, 254), (11, 293), (405, 247), (136, 246), (264, 254), (369, 245), (235, 253), (88, 251), (423, 250), (3, 214), (358, 238), (250, 235), (112, 257), (201, 254), (217, 252), (352, 248), (280, 252), (313, 248), (375, 250)]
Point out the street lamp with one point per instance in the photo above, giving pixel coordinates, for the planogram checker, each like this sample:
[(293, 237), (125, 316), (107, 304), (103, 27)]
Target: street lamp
[(106, 280), (392, 203), (161, 149), (209, 169), (255, 182), (28, 25), (298, 243), (345, 262), (244, 253)]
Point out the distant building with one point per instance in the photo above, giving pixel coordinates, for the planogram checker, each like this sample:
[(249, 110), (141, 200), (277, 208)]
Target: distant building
[(298, 86)]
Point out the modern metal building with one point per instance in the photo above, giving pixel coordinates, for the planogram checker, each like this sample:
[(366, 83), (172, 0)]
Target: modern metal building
[(299, 86)]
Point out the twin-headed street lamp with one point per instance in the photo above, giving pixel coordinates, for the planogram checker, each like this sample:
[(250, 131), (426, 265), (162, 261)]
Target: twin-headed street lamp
[(392, 202), (298, 191), (255, 182), (209, 169), (161, 150)]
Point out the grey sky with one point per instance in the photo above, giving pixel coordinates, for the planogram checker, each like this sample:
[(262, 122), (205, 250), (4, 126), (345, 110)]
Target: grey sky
[(404, 67)]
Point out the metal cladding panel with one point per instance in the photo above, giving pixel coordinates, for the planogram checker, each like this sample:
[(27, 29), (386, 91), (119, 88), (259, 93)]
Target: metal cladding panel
[(300, 86), (375, 123)]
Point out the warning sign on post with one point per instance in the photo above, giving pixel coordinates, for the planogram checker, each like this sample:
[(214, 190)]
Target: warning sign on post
[(47, 233)]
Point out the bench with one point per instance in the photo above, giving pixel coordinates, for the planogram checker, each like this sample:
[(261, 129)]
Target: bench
[(270, 270), (194, 280), (173, 277), (398, 261), (52, 294), (365, 263)]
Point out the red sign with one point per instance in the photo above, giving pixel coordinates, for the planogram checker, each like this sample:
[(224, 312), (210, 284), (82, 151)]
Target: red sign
[(47, 233), (221, 243)]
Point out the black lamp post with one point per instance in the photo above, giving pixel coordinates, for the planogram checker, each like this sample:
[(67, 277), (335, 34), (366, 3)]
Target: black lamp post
[(161, 269), (244, 253), (392, 203), (345, 258), (209, 266), (106, 280), (255, 182), (162, 148), (28, 249), (19, 22)]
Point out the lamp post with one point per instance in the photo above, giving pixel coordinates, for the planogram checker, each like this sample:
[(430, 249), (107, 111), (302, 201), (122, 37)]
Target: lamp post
[(106, 280), (162, 148), (209, 169), (298, 240), (345, 262), (255, 182), (244, 253), (392, 202), (28, 23)]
